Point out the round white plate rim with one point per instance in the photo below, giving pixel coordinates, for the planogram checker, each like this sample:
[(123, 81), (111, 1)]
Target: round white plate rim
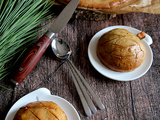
[(43, 94), (118, 75)]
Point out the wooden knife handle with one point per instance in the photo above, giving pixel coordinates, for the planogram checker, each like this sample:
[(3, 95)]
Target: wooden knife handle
[(32, 58)]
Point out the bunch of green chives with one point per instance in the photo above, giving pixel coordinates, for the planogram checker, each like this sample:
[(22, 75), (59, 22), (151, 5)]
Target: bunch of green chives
[(18, 20)]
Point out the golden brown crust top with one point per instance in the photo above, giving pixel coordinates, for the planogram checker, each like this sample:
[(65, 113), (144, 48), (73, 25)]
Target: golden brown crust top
[(99, 4), (41, 110), (121, 50)]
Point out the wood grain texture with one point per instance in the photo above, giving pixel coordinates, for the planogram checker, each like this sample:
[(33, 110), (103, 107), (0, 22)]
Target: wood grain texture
[(134, 100), (32, 58)]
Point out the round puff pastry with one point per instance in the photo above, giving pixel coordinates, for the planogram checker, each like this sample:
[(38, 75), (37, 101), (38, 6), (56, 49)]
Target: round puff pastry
[(121, 50), (41, 110), (99, 4)]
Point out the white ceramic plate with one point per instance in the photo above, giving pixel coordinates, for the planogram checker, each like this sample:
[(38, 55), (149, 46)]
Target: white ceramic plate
[(120, 76), (43, 94)]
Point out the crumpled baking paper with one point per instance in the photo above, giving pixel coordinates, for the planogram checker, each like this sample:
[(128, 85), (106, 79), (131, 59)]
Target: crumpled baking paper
[(145, 6)]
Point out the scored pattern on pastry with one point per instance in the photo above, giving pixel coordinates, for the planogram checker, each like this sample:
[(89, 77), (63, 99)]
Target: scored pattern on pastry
[(119, 46), (34, 114), (41, 110), (120, 50), (48, 109)]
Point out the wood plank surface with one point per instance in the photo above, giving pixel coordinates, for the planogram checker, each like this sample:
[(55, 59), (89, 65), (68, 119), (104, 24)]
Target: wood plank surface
[(132, 100)]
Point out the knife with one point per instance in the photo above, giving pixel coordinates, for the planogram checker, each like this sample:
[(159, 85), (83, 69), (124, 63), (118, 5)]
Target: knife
[(37, 51)]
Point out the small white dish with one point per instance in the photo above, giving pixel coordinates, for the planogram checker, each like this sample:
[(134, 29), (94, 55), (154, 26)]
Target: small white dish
[(120, 76), (43, 94)]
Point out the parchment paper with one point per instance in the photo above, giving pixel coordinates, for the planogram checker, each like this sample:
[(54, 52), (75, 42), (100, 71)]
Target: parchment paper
[(146, 6)]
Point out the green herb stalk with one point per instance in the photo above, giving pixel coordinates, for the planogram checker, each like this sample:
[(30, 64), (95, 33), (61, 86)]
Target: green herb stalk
[(18, 20)]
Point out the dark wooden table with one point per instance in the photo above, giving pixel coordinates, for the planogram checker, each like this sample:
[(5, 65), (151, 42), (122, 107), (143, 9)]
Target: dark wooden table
[(132, 100)]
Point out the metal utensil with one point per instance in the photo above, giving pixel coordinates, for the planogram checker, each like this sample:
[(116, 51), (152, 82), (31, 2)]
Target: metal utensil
[(37, 51), (62, 51)]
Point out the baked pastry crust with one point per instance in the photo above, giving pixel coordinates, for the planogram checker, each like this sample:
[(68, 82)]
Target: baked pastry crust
[(41, 110), (99, 4), (121, 50)]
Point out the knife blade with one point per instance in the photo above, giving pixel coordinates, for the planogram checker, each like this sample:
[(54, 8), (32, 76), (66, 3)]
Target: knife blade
[(36, 52), (64, 16)]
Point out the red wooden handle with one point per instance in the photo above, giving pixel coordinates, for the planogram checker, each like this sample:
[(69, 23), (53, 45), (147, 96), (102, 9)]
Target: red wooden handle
[(32, 58)]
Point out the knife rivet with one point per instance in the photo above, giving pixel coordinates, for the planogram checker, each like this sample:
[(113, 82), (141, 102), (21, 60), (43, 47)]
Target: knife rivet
[(39, 44), (20, 69)]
